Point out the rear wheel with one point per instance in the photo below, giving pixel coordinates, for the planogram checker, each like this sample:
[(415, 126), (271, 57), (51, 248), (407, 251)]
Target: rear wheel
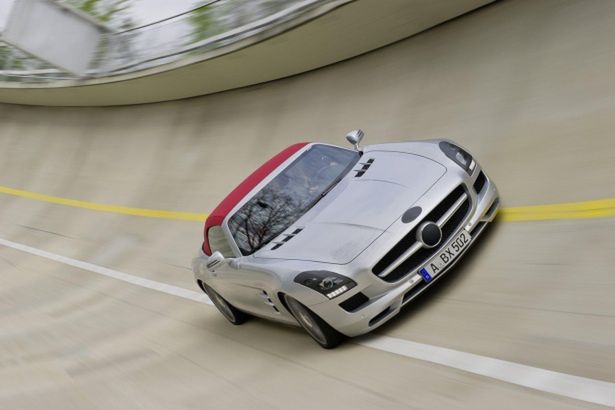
[(230, 312), (317, 328)]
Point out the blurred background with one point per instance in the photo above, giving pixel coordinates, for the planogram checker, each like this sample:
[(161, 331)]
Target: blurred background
[(139, 34), (124, 122)]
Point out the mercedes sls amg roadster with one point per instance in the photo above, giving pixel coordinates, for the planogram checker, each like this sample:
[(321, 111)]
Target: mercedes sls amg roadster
[(337, 240)]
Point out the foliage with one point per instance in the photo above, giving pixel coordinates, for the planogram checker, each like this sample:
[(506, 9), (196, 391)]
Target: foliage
[(10, 58), (102, 10), (201, 19)]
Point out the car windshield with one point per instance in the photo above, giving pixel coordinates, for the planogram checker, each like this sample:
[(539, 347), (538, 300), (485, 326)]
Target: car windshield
[(289, 195)]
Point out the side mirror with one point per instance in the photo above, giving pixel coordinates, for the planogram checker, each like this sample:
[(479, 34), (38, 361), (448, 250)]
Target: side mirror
[(216, 260), (355, 137)]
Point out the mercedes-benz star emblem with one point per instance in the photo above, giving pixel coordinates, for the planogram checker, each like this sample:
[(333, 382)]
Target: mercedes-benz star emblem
[(429, 234)]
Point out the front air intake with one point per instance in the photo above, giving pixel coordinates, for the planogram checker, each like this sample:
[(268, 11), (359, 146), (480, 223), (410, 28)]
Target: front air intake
[(480, 182), (353, 303)]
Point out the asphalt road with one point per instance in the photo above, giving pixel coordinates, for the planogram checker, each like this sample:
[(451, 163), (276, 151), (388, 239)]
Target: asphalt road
[(527, 86)]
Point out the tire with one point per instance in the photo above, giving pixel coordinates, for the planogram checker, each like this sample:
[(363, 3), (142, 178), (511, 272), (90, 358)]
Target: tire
[(230, 312), (317, 328)]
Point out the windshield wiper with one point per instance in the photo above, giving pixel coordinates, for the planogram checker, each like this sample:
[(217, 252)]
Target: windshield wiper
[(331, 186)]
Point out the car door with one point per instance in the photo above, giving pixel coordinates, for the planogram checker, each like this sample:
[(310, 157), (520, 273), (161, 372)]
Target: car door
[(241, 282), (249, 287)]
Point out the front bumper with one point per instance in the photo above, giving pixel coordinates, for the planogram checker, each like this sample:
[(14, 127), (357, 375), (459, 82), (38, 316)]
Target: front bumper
[(382, 307)]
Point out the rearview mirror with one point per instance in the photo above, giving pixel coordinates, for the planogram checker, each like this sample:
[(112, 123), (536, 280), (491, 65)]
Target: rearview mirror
[(216, 260), (355, 137)]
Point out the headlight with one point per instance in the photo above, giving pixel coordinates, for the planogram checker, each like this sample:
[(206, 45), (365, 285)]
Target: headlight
[(328, 283), (458, 155)]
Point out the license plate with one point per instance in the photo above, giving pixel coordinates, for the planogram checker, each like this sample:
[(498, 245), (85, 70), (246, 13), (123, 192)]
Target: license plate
[(444, 257)]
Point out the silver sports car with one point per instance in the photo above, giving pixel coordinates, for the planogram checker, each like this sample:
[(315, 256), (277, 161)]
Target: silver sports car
[(338, 240)]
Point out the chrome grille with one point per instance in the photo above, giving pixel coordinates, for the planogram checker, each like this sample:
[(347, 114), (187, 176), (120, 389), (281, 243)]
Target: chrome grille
[(409, 254)]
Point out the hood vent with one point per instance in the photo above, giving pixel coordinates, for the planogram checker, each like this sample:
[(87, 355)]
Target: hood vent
[(364, 167), (287, 237)]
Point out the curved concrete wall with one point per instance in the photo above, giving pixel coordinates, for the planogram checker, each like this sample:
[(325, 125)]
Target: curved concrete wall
[(335, 32), (525, 85)]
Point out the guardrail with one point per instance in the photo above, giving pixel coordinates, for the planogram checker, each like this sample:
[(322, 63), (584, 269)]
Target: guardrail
[(213, 25)]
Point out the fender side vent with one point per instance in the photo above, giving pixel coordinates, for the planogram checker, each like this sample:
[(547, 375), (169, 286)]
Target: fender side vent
[(364, 167), (287, 237), (269, 302)]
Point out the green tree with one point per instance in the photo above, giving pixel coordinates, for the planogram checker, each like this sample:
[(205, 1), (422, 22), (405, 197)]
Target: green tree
[(201, 20), (10, 58), (104, 11)]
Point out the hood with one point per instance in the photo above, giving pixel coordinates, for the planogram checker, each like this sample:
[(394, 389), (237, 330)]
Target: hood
[(360, 208)]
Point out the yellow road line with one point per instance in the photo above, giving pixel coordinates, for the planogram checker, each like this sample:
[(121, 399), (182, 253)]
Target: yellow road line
[(149, 213), (601, 208)]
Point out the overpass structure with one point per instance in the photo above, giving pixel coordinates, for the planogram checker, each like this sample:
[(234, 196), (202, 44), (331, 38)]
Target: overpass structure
[(102, 200)]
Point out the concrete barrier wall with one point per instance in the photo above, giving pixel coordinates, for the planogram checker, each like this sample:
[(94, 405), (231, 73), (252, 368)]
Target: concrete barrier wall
[(334, 32)]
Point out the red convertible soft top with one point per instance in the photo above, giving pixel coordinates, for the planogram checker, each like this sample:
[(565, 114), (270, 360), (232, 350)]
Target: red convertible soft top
[(216, 217)]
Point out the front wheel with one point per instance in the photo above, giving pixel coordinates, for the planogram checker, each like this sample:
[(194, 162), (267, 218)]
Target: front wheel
[(317, 328), (230, 312)]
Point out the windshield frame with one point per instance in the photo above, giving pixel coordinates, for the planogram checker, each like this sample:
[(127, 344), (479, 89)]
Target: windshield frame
[(265, 182)]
